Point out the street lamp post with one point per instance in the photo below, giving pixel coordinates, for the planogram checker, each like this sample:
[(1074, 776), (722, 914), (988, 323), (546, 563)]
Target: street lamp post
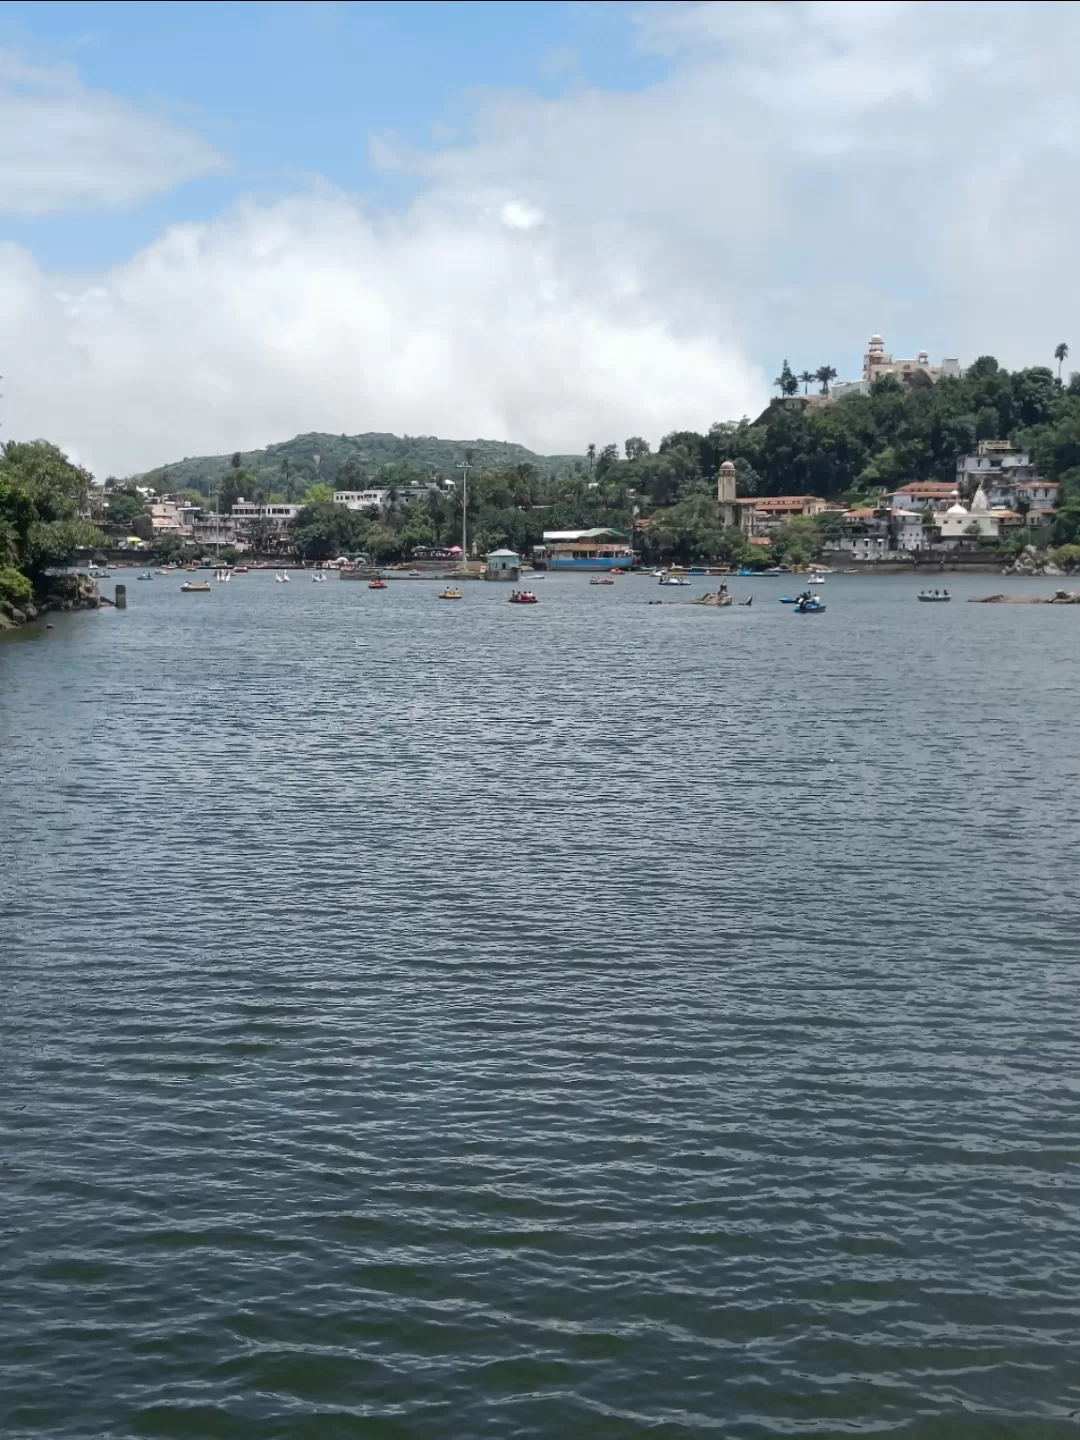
[(464, 467)]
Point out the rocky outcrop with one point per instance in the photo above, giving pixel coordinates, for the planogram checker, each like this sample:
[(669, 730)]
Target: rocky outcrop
[(717, 598), (1028, 562), (1059, 597), (61, 592)]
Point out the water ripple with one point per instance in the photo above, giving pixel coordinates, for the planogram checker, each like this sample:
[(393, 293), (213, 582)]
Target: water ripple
[(612, 1019)]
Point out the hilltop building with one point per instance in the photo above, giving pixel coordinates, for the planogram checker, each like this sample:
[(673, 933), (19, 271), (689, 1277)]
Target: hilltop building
[(878, 364)]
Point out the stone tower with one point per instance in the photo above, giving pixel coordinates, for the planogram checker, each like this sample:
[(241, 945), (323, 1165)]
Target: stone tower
[(725, 484)]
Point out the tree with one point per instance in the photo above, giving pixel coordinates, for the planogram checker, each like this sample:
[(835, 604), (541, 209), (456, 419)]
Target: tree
[(607, 458), (319, 494), (636, 448), (825, 374), (236, 462), (43, 497), (1061, 354), (786, 381), (807, 377), (124, 508), (590, 455), (263, 536)]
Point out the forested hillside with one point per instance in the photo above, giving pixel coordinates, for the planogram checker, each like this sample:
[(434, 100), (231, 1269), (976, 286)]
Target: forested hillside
[(290, 467)]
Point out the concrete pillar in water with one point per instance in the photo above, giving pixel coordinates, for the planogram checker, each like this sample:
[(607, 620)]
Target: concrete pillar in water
[(121, 597)]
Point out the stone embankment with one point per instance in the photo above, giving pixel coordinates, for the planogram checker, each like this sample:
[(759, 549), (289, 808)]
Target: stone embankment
[(63, 592)]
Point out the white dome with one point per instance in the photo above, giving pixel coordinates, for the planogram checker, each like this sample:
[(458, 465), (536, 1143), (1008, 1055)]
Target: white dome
[(876, 340), (957, 509)]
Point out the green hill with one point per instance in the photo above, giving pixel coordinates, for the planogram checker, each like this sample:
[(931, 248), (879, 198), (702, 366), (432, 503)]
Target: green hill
[(290, 467)]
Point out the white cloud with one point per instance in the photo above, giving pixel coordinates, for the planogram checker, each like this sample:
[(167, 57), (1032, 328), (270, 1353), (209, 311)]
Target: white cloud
[(607, 263), (66, 147)]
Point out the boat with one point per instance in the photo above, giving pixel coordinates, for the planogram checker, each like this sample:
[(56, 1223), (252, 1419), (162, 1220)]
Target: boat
[(934, 597), (450, 593), (240, 569), (673, 580), (815, 579), (523, 597), (789, 599), (282, 579), (144, 576), (377, 584), (602, 580), (195, 587), (809, 606), (99, 574)]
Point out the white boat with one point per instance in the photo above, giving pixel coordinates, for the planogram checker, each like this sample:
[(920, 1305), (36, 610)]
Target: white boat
[(815, 579), (673, 580), (934, 597), (282, 579)]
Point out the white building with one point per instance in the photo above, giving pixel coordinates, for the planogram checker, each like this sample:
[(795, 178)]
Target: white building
[(1009, 477), (380, 499), (281, 514), (919, 495), (361, 499)]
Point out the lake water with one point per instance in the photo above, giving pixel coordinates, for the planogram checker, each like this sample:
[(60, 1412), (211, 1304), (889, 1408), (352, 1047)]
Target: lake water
[(596, 1020)]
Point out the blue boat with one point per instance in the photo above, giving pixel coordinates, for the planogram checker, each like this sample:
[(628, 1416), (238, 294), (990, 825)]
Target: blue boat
[(789, 599), (809, 607)]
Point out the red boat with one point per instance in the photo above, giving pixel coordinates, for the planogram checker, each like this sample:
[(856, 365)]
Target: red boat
[(376, 585), (523, 597)]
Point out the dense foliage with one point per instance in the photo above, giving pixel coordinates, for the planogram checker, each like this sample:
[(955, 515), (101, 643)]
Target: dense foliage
[(42, 501), (287, 470)]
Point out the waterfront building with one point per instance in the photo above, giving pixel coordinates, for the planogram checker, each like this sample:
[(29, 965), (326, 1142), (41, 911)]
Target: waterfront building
[(598, 549), (502, 565)]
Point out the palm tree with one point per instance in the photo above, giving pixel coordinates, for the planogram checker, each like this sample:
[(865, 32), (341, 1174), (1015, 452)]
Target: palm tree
[(590, 455), (825, 373), (1061, 354), (806, 377)]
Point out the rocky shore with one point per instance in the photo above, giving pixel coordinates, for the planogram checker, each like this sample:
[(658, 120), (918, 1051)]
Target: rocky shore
[(63, 592), (1029, 562)]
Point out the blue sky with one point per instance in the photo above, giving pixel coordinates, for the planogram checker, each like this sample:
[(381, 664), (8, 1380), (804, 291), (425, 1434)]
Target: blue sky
[(223, 224), (289, 90)]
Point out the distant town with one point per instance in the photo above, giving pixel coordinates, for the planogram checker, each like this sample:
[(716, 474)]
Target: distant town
[(976, 445)]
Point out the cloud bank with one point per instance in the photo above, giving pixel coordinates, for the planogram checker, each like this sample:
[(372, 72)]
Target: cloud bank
[(602, 264), (65, 147)]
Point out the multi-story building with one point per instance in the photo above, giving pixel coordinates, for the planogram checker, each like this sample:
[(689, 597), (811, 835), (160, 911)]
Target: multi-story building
[(381, 498), (920, 495), (768, 512), (1009, 478), (281, 514), (173, 517)]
